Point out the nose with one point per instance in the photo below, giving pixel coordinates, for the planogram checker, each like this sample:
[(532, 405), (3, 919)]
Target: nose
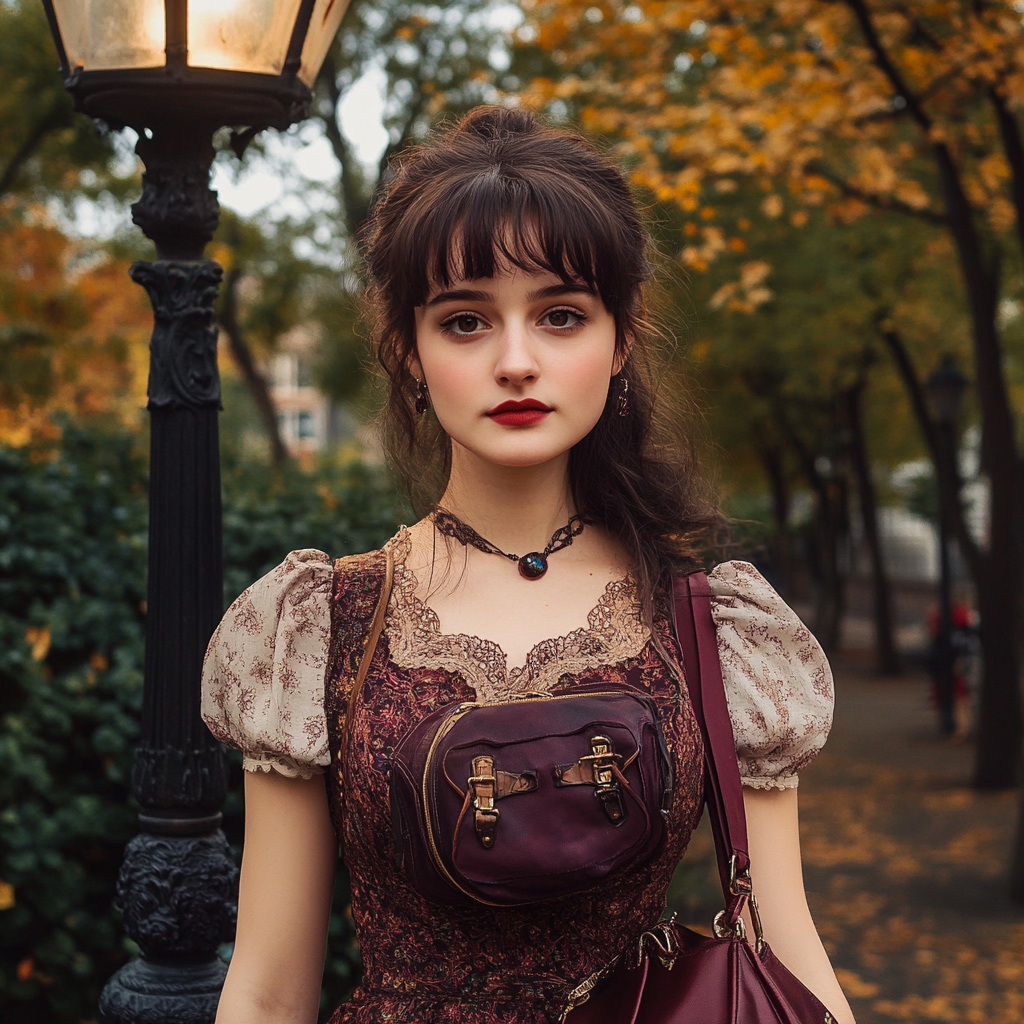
[(517, 361)]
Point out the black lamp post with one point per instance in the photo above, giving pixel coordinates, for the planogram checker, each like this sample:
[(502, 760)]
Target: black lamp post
[(176, 71), (946, 386)]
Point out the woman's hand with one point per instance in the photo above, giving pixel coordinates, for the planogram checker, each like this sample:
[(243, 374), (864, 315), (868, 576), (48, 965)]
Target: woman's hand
[(773, 835), (284, 901)]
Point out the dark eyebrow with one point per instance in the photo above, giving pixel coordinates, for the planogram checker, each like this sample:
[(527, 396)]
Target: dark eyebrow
[(563, 288), (472, 295), (460, 295)]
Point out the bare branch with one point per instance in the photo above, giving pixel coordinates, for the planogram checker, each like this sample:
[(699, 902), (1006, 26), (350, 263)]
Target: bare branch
[(242, 354), (1013, 147), (50, 120), (948, 481)]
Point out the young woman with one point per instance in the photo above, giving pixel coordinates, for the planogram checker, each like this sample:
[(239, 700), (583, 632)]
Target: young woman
[(507, 265)]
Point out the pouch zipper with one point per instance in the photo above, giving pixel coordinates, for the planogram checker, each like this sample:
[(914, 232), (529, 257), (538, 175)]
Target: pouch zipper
[(448, 725)]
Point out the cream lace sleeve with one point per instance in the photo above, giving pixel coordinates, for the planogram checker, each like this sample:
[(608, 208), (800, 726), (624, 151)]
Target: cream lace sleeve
[(777, 679), (263, 676)]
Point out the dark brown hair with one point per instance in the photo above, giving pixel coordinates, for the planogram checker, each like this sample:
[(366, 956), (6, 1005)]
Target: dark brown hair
[(502, 189)]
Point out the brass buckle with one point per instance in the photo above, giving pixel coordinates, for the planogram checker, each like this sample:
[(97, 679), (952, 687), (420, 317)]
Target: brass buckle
[(602, 758), (484, 784)]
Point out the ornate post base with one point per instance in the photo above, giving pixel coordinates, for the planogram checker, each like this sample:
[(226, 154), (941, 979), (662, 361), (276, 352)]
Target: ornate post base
[(177, 895)]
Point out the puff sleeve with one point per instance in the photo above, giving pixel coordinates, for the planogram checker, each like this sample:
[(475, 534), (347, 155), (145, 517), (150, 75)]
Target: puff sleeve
[(777, 680), (263, 675)]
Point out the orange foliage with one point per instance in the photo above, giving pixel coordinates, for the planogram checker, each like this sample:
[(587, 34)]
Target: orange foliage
[(74, 332), (789, 92)]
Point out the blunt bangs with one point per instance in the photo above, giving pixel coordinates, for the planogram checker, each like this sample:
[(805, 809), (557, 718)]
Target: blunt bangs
[(486, 223)]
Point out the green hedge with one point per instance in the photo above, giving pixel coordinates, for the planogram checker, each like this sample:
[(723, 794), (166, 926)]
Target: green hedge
[(72, 587)]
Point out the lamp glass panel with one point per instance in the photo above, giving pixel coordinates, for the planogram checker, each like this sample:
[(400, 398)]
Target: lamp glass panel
[(105, 34), (323, 27), (240, 35)]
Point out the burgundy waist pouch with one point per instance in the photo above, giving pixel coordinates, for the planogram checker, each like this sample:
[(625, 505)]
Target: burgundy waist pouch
[(544, 796)]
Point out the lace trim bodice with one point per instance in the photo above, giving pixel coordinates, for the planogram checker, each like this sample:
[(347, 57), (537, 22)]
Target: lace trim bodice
[(614, 633)]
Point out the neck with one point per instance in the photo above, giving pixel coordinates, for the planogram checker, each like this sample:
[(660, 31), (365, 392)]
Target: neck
[(517, 508)]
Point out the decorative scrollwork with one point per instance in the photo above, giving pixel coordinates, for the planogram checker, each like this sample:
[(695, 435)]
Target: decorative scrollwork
[(177, 209), (178, 896), (183, 352)]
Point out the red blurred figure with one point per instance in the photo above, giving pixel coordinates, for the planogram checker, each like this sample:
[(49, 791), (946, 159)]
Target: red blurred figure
[(963, 633)]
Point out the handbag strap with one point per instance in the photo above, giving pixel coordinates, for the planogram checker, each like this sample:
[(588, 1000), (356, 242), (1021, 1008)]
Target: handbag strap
[(723, 792)]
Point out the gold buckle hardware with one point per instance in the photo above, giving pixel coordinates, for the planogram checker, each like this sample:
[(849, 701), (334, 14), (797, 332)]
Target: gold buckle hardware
[(739, 884), (602, 758), (484, 784), (723, 931), (663, 940)]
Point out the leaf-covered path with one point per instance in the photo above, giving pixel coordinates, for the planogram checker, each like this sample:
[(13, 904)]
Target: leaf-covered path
[(906, 865)]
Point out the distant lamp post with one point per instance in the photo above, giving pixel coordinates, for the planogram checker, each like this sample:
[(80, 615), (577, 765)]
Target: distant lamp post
[(176, 71), (946, 386)]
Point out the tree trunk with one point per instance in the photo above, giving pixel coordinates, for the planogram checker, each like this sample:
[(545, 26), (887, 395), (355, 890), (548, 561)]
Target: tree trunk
[(774, 468), (254, 380), (828, 523), (885, 643)]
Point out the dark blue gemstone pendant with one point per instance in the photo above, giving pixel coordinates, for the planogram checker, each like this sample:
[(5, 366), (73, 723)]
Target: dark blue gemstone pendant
[(533, 565)]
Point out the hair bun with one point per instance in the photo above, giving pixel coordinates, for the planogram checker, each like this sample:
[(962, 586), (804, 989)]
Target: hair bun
[(492, 122)]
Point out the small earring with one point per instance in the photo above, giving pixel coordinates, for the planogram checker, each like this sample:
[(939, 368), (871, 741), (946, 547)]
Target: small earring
[(422, 396), (624, 398)]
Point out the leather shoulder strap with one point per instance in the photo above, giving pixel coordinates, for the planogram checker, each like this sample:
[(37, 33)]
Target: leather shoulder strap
[(723, 791), (362, 588)]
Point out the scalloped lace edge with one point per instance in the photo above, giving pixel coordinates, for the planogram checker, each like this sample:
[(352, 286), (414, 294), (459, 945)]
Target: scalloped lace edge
[(779, 782), (286, 766)]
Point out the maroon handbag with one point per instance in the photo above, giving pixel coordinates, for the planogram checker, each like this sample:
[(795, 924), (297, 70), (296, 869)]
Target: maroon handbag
[(677, 976)]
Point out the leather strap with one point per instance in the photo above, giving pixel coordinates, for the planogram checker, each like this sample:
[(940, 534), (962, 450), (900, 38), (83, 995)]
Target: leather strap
[(369, 646), (723, 791)]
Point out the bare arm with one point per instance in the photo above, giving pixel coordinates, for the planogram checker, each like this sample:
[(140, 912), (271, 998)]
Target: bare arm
[(283, 903), (773, 836)]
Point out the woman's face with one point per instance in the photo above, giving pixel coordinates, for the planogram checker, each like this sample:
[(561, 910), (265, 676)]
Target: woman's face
[(518, 365)]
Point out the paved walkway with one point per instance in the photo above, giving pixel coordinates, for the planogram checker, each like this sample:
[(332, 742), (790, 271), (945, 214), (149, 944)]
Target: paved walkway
[(905, 866)]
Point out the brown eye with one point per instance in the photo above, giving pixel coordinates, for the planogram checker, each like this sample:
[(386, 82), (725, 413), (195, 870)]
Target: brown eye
[(561, 319), (463, 323)]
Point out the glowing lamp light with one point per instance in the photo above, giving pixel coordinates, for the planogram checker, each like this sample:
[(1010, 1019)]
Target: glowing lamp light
[(235, 62)]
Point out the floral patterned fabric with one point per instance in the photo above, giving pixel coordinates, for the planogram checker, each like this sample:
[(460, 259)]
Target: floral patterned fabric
[(276, 683)]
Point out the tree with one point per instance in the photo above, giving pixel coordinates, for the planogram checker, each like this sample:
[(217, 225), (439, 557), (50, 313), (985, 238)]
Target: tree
[(866, 107), (46, 150), (73, 336)]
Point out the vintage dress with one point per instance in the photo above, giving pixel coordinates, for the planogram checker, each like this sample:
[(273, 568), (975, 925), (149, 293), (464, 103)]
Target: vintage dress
[(270, 664)]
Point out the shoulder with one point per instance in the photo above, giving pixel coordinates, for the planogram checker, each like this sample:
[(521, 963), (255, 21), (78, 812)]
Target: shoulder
[(777, 678), (263, 675)]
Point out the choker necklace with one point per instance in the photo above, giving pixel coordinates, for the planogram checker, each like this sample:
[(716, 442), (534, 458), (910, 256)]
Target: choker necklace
[(531, 566)]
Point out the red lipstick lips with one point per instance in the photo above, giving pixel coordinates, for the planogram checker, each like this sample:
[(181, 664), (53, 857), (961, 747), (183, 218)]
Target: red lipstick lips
[(519, 414)]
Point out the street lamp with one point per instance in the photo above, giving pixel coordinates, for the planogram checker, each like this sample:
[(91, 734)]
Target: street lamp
[(945, 386), (176, 71)]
